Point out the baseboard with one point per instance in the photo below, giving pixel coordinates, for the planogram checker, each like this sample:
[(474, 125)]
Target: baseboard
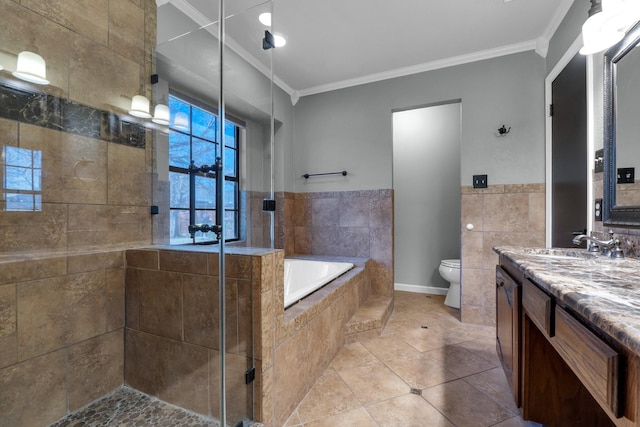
[(432, 290)]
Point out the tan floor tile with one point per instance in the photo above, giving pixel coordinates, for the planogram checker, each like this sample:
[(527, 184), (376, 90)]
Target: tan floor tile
[(409, 410), (446, 349), (352, 355), (356, 418), (458, 360), (328, 396), (484, 348), (429, 339), (373, 383), (419, 371), (517, 422), (465, 406), (389, 347), (293, 421), (493, 383)]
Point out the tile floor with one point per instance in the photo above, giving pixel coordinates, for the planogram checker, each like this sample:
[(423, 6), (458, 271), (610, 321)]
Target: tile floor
[(427, 369)]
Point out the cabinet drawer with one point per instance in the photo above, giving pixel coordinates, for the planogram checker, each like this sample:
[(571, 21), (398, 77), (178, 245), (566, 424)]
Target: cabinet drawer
[(537, 304), (592, 360)]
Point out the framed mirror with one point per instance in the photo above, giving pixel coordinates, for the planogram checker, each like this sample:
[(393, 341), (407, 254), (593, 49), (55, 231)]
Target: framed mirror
[(621, 204)]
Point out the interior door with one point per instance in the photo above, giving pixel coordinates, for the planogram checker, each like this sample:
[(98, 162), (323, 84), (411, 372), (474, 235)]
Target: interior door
[(569, 152)]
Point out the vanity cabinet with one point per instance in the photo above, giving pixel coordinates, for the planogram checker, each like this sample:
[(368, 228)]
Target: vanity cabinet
[(562, 369), (508, 303)]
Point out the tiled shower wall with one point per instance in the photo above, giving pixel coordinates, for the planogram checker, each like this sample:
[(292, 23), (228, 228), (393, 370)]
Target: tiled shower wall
[(341, 223), (172, 327), (96, 168), (502, 215), (61, 334), (62, 312)]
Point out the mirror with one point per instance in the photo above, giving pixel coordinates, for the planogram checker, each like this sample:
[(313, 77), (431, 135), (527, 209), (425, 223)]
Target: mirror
[(621, 204)]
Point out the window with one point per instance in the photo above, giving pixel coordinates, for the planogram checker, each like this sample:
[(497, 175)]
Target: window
[(22, 179), (192, 138)]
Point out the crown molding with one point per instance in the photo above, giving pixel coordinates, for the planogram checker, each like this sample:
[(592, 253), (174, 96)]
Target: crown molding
[(539, 45), (421, 68)]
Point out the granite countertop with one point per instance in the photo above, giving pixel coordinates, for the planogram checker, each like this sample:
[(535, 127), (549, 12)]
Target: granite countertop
[(604, 290)]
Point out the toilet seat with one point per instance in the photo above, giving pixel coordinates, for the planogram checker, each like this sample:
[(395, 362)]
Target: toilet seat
[(451, 263)]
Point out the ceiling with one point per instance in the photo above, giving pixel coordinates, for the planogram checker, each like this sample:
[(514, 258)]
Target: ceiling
[(333, 44)]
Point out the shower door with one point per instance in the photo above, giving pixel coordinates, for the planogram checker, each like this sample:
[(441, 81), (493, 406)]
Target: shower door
[(215, 159)]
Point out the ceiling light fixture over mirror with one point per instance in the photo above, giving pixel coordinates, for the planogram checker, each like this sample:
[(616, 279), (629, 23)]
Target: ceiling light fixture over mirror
[(607, 23)]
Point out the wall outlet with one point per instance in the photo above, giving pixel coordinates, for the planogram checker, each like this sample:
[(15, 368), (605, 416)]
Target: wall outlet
[(479, 181), (626, 175), (598, 209)]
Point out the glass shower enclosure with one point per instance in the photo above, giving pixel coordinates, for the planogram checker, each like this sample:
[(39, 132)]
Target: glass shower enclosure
[(214, 170)]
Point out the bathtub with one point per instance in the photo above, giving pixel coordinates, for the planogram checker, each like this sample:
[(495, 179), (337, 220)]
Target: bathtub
[(301, 277)]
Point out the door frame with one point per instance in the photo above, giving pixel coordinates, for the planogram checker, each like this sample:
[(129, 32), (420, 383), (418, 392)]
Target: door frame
[(562, 63)]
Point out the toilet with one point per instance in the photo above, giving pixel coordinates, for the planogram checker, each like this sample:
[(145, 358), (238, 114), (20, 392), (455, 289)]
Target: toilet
[(450, 271)]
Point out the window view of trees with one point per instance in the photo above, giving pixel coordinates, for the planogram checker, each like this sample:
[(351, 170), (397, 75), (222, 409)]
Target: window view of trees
[(192, 138)]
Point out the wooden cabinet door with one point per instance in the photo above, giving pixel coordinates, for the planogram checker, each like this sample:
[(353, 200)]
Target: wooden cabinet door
[(508, 303)]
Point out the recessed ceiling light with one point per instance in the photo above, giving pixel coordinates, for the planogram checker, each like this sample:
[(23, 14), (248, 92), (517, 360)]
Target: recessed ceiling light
[(265, 19), (279, 40)]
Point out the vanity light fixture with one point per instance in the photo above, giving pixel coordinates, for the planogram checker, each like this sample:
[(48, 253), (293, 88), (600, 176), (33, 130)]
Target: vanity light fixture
[(140, 107), (161, 114), (32, 68), (181, 121), (607, 24)]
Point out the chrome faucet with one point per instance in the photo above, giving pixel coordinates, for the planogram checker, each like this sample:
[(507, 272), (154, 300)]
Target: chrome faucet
[(609, 247)]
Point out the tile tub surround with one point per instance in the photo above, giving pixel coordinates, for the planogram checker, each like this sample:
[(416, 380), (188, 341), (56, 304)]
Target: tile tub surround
[(510, 214), (308, 336), (342, 223), (311, 331), (61, 333), (602, 290)]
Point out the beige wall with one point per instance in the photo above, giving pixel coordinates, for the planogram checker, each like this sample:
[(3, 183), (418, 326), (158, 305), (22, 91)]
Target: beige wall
[(502, 215)]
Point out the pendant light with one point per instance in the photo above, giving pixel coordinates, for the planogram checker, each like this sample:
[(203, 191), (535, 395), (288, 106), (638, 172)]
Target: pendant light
[(32, 68)]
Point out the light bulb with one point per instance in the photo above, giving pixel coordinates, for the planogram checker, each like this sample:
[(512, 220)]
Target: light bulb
[(279, 40), (265, 19)]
